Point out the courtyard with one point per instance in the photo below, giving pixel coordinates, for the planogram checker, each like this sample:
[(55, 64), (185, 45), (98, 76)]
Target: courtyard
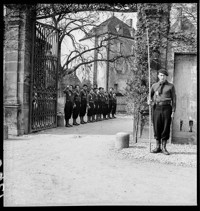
[(81, 166)]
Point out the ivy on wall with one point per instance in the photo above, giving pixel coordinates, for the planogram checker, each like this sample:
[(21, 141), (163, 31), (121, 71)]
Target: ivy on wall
[(155, 17)]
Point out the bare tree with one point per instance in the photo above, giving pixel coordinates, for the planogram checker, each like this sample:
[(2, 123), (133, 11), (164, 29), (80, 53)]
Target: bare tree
[(80, 54)]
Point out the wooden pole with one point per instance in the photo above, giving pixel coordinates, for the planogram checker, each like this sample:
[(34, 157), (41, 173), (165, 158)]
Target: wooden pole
[(149, 92)]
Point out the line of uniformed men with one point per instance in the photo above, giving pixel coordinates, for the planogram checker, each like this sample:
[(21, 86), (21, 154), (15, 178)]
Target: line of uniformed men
[(96, 103)]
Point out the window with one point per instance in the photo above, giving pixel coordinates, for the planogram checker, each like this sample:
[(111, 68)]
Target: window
[(116, 87)]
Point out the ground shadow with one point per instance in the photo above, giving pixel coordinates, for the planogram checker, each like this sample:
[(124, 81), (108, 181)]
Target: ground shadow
[(139, 147), (183, 153)]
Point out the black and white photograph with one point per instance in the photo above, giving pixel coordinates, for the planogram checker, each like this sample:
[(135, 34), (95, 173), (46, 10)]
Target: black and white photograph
[(100, 104)]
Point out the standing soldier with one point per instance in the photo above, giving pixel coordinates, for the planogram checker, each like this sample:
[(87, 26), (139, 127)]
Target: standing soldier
[(106, 103), (114, 106), (110, 95), (164, 98), (77, 102), (95, 97), (103, 101), (69, 103), (91, 105), (84, 103), (99, 104)]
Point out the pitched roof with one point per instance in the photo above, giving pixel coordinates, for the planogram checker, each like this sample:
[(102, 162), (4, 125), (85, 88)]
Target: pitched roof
[(109, 26)]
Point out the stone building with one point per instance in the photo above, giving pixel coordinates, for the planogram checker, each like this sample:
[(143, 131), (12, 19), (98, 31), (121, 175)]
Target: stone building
[(120, 42)]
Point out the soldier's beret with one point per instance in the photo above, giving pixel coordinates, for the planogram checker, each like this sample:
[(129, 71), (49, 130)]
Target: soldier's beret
[(163, 71)]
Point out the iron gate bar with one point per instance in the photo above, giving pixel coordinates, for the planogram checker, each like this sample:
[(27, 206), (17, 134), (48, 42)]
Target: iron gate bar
[(44, 78)]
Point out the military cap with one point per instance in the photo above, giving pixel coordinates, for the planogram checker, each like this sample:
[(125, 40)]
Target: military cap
[(85, 85), (163, 71)]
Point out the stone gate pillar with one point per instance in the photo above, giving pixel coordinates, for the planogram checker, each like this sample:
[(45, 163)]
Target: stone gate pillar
[(17, 68), (155, 17)]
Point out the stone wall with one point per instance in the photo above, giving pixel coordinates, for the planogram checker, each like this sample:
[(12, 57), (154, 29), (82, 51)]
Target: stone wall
[(17, 69)]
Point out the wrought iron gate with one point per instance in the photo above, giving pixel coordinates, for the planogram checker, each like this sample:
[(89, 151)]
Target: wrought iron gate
[(44, 76)]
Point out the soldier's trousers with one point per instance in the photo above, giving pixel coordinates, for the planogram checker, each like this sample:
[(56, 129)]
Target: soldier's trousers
[(76, 110), (83, 108), (114, 108), (99, 108), (110, 106), (91, 109), (162, 121), (105, 109), (95, 111), (68, 110)]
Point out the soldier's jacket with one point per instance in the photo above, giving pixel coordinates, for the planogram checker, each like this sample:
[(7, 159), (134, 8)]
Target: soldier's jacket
[(90, 98), (114, 99), (77, 97), (95, 97), (110, 95), (83, 96), (106, 99), (69, 96), (168, 93), (100, 98)]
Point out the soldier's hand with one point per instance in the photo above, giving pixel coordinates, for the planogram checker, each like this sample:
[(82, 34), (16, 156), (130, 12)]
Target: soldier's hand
[(172, 115)]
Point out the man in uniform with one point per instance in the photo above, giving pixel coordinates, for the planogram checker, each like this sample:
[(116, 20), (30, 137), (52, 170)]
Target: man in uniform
[(84, 103), (114, 105), (95, 97), (106, 104), (163, 97), (100, 99), (110, 95), (69, 103), (91, 106), (77, 102)]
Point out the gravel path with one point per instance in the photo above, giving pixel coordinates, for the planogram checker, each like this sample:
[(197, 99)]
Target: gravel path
[(180, 155), (56, 170)]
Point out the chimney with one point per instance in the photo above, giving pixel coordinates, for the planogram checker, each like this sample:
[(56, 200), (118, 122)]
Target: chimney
[(129, 22)]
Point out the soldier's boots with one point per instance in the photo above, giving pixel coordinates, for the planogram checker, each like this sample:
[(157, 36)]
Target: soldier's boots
[(93, 118), (109, 116), (82, 121), (157, 149), (67, 123), (89, 119), (74, 122), (100, 119), (164, 150), (113, 116)]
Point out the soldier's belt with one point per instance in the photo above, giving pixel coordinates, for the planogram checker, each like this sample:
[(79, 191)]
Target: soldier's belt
[(163, 103)]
